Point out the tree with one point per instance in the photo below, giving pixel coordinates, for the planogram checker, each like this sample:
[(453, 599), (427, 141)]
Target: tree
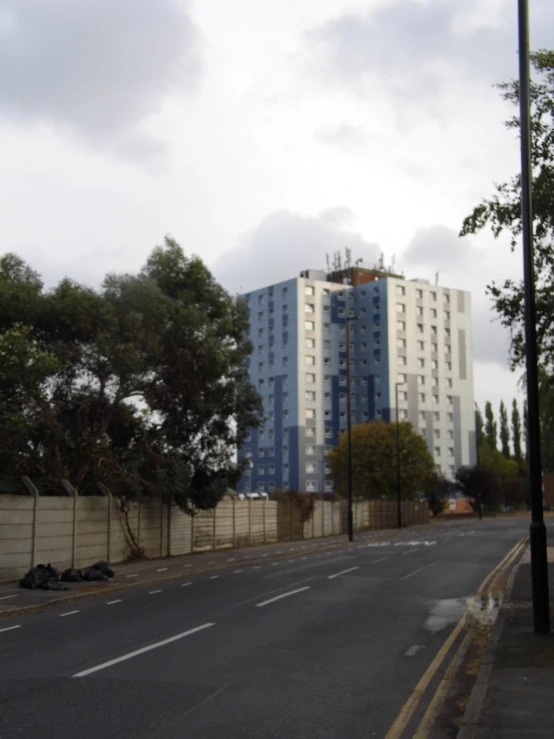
[(494, 461), (479, 426), (516, 433), (502, 213), (491, 429), (480, 486), (149, 393), (437, 490), (504, 431), (374, 461), (546, 416), (516, 493)]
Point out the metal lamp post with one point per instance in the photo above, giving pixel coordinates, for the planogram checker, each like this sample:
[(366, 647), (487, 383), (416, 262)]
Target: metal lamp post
[(539, 564), (349, 430), (398, 485)]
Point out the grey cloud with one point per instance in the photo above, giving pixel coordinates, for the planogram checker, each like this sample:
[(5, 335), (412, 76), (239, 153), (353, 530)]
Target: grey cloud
[(96, 68), (416, 51), (491, 341), (439, 246), (346, 137), (285, 243)]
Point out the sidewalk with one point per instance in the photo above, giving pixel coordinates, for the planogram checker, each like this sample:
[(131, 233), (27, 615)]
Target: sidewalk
[(14, 599), (514, 693)]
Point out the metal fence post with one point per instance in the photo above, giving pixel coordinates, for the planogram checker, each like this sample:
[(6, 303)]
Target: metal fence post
[(169, 507), (70, 490), (33, 490), (214, 516), (161, 528), (106, 493), (234, 525), (263, 514), (250, 521)]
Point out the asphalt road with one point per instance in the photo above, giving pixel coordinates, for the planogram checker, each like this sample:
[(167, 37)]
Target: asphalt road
[(326, 645)]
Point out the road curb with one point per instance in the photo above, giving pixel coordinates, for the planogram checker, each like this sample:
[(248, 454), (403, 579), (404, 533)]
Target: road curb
[(471, 728)]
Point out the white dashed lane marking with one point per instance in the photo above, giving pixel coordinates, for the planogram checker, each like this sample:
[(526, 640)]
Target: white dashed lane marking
[(69, 613), (342, 572), (10, 628), (113, 602), (154, 592), (283, 595), (130, 655)]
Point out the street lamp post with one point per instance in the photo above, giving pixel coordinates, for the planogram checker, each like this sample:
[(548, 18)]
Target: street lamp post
[(349, 430), (398, 486), (539, 565)]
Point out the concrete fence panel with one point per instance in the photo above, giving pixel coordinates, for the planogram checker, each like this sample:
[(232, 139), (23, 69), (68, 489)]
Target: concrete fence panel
[(181, 532), (75, 530)]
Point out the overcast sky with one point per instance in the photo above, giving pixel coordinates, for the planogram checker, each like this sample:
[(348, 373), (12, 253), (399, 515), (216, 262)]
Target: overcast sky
[(262, 136)]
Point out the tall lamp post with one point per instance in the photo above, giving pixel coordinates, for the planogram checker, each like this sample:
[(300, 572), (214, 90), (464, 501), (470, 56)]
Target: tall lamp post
[(398, 485), (349, 429), (539, 565)]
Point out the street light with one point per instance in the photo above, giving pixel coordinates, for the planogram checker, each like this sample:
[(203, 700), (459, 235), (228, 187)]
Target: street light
[(349, 429), (539, 564), (398, 486)]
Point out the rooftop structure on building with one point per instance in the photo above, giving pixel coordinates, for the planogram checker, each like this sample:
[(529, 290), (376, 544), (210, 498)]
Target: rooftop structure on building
[(407, 331)]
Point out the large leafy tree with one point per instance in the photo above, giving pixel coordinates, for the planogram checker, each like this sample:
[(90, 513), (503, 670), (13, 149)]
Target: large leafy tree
[(437, 490), (502, 214), (144, 384), (374, 461)]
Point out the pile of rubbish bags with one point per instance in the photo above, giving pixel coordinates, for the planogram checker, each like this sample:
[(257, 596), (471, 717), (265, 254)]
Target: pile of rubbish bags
[(46, 577)]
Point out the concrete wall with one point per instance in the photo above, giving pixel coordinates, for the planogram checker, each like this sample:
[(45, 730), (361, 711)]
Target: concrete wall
[(75, 531)]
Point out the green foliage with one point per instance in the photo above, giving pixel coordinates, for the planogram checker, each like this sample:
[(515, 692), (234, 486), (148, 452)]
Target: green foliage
[(142, 384), (516, 433), (479, 426), (502, 213), (494, 461), (504, 431), (516, 493), (546, 414), (437, 490), (374, 461), (480, 485), (491, 429)]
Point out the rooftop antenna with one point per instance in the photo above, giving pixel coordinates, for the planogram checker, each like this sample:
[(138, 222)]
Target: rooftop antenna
[(338, 259), (328, 262), (436, 278), (348, 257)]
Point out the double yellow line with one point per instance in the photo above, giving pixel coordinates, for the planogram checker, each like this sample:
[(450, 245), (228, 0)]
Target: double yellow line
[(411, 705)]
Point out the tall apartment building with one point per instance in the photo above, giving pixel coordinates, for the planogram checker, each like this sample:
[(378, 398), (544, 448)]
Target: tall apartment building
[(402, 331)]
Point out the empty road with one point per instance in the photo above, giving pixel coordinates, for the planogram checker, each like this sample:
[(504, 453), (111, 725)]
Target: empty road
[(310, 644)]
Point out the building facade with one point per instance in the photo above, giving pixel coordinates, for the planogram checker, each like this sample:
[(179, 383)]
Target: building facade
[(401, 331)]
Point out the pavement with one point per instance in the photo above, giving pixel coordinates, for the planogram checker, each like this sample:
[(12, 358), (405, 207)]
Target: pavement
[(514, 694), (318, 639)]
